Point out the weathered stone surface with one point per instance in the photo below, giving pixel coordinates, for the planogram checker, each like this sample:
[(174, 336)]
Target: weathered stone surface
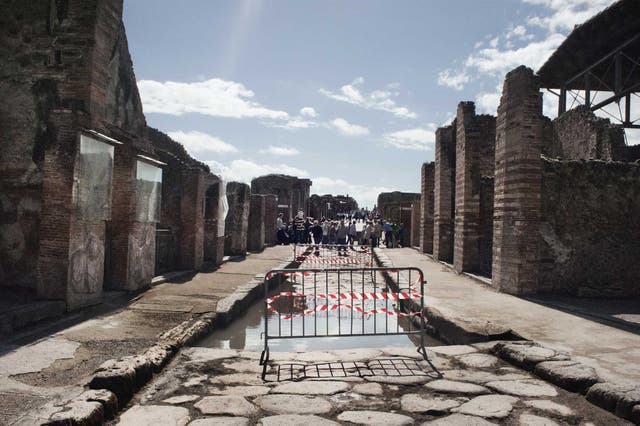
[(241, 390), (527, 355), (528, 387), (569, 375), (450, 386), (417, 403), (531, 420), (181, 399), (244, 366), (635, 414), (493, 406), (119, 378), (619, 399), (237, 378), (400, 380), (478, 360), (226, 404), (481, 377), (200, 355), (312, 388), (221, 421), (80, 413), (459, 420), (453, 349), (368, 389), (107, 398), (550, 406), (375, 418), (151, 415), (296, 420), (293, 404)]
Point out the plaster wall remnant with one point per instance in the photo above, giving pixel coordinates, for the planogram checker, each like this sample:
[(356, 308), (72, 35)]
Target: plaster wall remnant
[(444, 193), (518, 177), (292, 192), (256, 230), (237, 221), (475, 145), (426, 207), (397, 207)]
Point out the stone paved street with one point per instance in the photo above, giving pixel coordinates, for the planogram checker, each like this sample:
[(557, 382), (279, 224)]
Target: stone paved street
[(205, 386)]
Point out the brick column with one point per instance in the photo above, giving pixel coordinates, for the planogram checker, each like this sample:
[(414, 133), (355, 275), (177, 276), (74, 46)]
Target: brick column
[(237, 222), (426, 207), (192, 219), (256, 232), (475, 144), (270, 217), (518, 184), (416, 216), (443, 193)]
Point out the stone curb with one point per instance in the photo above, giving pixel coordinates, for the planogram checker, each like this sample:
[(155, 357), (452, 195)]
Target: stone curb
[(548, 364), (116, 380)]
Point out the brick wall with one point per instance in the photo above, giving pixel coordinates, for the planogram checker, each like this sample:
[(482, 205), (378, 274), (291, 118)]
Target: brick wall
[(475, 143), (444, 193), (485, 226), (192, 215), (416, 216), (590, 228), (426, 207), (256, 232), (291, 191), (518, 173), (237, 222)]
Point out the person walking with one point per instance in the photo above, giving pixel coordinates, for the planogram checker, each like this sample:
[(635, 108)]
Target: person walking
[(281, 230), (298, 224), (388, 234), (377, 233), (341, 238), (325, 231), (316, 232), (351, 233)]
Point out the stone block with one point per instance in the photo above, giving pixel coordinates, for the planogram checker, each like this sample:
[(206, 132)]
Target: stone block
[(570, 375)]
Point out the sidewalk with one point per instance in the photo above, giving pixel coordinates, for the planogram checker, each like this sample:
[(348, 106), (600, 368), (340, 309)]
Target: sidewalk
[(613, 352), (54, 361)]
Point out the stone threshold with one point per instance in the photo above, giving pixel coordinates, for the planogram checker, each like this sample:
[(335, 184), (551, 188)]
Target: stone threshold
[(555, 367)]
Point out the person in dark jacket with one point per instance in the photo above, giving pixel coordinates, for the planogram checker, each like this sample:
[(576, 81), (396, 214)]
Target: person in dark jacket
[(316, 231)]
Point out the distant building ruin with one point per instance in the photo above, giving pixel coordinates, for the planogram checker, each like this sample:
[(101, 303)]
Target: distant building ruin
[(331, 206), (398, 207), (292, 192)]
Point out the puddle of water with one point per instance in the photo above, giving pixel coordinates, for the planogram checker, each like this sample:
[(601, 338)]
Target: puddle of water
[(246, 332)]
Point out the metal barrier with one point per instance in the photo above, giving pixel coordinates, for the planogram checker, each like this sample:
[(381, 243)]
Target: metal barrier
[(333, 255), (343, 303)]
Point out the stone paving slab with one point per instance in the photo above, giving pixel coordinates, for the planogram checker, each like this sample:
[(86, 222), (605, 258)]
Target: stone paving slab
[(197, 380)]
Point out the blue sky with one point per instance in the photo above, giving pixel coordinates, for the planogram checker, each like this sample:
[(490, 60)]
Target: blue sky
[(346, 93)]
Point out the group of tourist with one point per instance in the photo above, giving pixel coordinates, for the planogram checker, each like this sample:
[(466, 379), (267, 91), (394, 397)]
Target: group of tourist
[(306, 230)]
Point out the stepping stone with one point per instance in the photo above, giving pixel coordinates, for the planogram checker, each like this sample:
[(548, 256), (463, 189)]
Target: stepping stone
[(237, 378), (375, 418), (433, 405), (481, 377), (241, 390), (528, 387), (296, 420), (221, 421), (459, 420), (478, 360), (181, 399), (527, 354), (153, 415), (494, 406), (449, 386), (294, 404), (453, 349), (550, 407), (226, 404), (312, 388), (570, 375), (368, 389), (531, 420)]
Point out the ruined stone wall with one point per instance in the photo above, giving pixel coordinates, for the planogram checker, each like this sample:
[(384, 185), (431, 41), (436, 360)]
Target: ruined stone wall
[(256, 232), (237, 222), (270, 218), (416, 216), (426, 207), (590, 228), (485, 226), (213, 252), (518, 175), (292, 192), (475, 144), (330, 206), (397, 207), (444, 193), (580, 134)]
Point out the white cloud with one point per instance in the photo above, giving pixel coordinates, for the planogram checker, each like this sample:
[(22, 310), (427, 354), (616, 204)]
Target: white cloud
[(487, 102), (198, 142), (308, 112), (455, 80), (245, 170), (381, 100), (214, 97), (421, 139), (293, 123), (566, 13), (365, 195), (282, 151), (343, 127)]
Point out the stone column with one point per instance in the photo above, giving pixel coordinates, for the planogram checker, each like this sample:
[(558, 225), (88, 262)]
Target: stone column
[(192, 219), (270, 217), (416, 216), (475, 144), (237, 222), (443, 193), (256, 231), (426, 207), (518, 184)]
